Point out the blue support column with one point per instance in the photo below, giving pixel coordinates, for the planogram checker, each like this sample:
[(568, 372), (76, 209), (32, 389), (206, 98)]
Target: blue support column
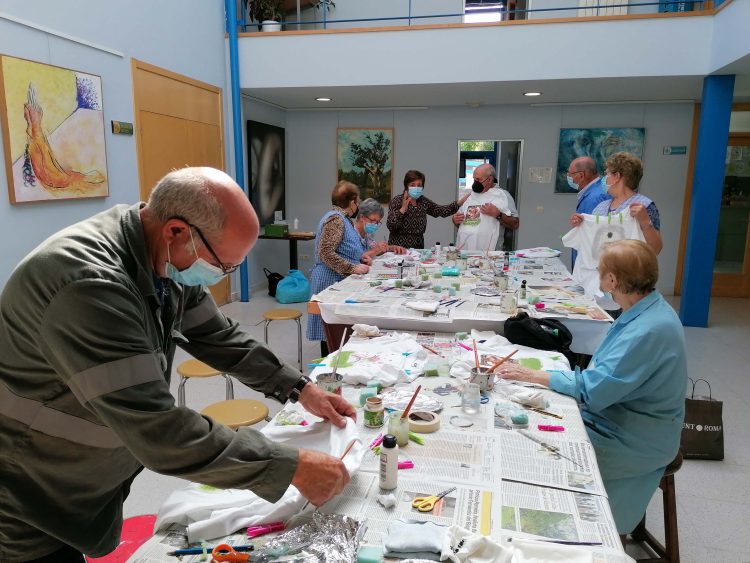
[(230, 8), (708, 179)]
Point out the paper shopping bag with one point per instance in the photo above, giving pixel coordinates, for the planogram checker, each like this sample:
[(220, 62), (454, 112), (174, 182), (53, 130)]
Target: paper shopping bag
[(703, 429)]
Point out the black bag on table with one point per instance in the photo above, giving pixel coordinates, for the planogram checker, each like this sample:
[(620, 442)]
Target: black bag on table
[(273, 280), (543, 334), (703, 429)]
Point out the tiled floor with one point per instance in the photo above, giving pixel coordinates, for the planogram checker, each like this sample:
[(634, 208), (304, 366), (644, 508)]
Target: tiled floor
[(713, 497)]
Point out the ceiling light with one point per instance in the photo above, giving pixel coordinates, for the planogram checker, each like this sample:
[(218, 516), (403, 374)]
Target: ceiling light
[(532, 94), (323, 100)]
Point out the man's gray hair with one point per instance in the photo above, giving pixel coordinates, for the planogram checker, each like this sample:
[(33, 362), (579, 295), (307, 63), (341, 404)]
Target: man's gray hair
[(185, 193), (487, 167), (370, 206)]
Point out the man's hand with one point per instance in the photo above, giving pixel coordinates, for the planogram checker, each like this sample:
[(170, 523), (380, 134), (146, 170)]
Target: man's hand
[(458, 218), (397, 249), (366, 259), (319, 477), (327, 406), (576, 219), (361, 269), (491, 210), (379, 248)]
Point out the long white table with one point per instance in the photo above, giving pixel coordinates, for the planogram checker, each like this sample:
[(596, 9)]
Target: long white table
[(587, 332)]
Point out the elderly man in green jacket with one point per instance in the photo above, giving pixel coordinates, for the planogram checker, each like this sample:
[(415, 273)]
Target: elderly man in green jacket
[(89, 322)]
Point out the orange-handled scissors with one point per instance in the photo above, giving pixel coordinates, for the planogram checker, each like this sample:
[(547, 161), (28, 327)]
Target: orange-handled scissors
[(225, 552), (426, 504)]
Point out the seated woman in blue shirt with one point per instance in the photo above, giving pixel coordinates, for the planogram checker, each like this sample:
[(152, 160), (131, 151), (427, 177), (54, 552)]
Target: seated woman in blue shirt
[(632, 395)]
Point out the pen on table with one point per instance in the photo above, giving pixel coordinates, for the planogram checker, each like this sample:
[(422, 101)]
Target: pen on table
[(566, 542), (199, 550), (464, 346), (430, 349), (263, 529), (377, 441)]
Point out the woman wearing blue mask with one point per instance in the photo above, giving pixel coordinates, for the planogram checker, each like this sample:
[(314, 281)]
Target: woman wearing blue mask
[(407, 212), (368, 221)]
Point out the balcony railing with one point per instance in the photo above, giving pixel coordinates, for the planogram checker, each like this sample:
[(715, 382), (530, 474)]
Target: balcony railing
[(322, 14)]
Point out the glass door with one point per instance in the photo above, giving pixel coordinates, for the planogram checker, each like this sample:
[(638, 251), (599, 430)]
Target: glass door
[(732, 263)]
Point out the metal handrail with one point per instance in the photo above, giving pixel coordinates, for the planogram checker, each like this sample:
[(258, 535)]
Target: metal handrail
[(698, 5)]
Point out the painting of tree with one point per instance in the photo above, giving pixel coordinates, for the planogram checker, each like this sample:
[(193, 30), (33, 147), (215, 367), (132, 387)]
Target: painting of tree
[(365, 158)]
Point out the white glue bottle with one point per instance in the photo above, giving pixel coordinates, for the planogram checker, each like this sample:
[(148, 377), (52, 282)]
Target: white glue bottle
[(296, 224), (389, 463)]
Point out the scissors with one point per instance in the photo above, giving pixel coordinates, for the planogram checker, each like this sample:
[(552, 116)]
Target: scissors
[(554, 450), (426, 504), (225, 552)]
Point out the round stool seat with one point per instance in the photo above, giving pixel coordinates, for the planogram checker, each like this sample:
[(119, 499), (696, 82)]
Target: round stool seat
[(196, 368), (237, 412), (281, 314)]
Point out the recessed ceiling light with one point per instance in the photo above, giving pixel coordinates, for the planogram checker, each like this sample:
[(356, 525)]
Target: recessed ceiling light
[(323, 100), (532, 94)]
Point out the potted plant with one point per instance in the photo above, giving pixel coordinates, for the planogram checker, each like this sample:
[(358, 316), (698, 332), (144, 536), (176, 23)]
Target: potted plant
[(268, 13)]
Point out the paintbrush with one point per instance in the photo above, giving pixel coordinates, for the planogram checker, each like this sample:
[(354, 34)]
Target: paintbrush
[(346, 451), (476, 355), (338, 356), (501, 361), (430, 349), (408, 407), (540, 411)]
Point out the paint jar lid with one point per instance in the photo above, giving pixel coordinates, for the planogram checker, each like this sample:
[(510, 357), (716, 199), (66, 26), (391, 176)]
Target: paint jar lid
[(389, 441)]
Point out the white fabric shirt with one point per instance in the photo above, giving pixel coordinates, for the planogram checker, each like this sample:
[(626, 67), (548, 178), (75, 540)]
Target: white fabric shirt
[(479, 231), (588, 239)]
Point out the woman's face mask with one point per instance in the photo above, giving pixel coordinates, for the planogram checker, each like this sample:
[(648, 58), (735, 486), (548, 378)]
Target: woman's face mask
[(371, 228), (415, 192)]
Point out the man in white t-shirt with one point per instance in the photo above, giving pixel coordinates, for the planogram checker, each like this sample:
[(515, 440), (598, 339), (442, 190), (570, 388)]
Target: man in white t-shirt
[(483, 218)]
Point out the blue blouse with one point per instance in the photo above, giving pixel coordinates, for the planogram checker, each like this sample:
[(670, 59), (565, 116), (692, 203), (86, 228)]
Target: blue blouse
[(632, 400)]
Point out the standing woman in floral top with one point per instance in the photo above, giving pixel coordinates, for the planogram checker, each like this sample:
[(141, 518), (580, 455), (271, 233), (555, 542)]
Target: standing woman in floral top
[(407, 213), (339, 251)]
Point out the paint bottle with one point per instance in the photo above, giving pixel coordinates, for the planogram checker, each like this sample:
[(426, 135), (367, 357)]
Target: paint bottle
[(374, 412), (389, 463), (296, 224), (522, 292), (438, 248)]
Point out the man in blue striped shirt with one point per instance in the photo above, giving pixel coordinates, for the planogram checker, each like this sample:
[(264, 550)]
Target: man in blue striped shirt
[(584, 177)]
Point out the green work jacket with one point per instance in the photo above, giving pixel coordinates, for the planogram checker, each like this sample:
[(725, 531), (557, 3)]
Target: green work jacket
[(86, 349)]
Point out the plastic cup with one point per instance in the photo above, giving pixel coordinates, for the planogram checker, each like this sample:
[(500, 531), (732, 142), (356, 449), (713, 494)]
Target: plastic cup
[(470, 399), (400, 427)]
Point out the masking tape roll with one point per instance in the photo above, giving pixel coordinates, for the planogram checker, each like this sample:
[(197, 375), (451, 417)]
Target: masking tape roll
[(423, 422)]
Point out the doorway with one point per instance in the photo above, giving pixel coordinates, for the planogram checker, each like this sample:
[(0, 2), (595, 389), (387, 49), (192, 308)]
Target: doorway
[(178, 123), (505, 157), (732, 264)]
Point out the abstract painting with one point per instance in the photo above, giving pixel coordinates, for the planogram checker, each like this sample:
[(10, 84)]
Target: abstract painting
[(53, 130), (265, 157), (365, 158), (599, 144)]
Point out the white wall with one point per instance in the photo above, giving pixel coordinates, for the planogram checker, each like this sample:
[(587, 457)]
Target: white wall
[(427, 140), (185, 36)]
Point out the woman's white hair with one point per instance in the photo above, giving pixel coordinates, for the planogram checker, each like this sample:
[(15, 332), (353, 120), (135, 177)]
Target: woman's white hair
[(370, 206), (185, 194)]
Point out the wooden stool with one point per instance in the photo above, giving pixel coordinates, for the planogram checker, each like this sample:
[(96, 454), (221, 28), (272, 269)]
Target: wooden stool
[(237, 412), (196, 368), (285, 315), (670, 551)]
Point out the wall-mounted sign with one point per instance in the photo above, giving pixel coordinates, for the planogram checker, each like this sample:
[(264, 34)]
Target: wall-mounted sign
[(675, 150), (122, 128)]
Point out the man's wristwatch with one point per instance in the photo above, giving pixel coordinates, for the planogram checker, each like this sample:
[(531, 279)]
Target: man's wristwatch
[(296, 391)]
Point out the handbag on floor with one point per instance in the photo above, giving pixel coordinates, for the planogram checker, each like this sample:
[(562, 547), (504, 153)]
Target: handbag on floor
[(273, 280), (703, 429), (294, 288)]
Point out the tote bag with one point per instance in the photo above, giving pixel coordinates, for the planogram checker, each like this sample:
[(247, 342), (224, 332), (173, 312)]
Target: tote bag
[(703, 429)]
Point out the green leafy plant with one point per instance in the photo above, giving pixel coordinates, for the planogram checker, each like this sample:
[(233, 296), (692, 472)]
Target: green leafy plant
[(266, 10)]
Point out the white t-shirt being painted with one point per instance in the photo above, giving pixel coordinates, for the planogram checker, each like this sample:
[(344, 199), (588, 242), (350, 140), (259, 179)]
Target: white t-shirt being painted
[(479, 231)]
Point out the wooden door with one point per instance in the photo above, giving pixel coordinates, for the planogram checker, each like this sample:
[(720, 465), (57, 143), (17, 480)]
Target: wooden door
[(178, 123)]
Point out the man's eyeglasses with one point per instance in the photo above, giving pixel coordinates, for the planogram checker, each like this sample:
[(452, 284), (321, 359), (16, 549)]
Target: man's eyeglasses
[(226, 270)]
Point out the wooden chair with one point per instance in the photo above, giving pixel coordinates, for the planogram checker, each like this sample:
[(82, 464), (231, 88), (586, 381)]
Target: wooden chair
[(195, 369), (237, 412), (285, 315), (670, 551)]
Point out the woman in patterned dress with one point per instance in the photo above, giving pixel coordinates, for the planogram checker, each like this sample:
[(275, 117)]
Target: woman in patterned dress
[(339, 251), (407, 212)]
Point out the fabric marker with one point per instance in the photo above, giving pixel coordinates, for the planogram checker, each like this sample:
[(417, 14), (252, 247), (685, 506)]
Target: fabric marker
[(255, 531), (548, 428), (464, 346), (406, 464)]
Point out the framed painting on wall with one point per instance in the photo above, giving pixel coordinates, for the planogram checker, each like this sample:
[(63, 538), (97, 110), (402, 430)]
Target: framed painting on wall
[(53, 132), (365, 158), (266, 160), (599, 144)]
